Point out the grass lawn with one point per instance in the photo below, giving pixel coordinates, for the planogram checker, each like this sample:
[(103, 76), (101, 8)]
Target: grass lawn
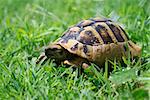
[(28, 25)]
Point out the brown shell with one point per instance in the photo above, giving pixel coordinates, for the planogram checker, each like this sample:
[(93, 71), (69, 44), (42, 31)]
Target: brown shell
[(95, 32), (98, 38)]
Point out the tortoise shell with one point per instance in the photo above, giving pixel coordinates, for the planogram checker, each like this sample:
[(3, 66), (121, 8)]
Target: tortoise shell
[(96, 40)]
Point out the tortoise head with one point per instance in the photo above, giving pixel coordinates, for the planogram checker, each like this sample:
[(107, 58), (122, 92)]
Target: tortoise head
[(55, 51)]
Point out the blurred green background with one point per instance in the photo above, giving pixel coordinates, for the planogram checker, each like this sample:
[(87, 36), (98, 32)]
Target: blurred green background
[(28, 25)]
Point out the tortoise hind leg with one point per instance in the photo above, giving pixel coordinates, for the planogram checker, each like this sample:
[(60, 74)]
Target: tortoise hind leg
[(135, 50)]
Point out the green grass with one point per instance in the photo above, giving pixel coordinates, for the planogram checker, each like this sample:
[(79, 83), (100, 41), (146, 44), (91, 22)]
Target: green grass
[(28, 25)]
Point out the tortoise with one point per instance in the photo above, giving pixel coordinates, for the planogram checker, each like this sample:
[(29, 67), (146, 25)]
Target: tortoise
[(91, 41)]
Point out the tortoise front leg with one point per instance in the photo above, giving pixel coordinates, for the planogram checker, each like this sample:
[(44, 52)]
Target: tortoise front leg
[(78, 63), (42, 58), (85, 65)]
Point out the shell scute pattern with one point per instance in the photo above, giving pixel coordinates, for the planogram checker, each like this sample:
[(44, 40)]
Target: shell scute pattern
[(95, 35), (75, 47), (72, 33), (103, 33), (95, 32), (88, 37), (85, 23), (116, 31)]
